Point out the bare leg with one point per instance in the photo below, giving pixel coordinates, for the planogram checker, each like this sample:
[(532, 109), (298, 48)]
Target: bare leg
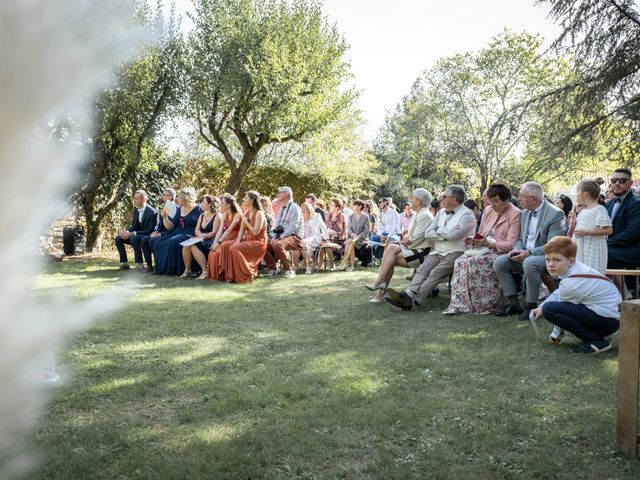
[(187, 257), (392, 257), (201, 259), (352, 255)]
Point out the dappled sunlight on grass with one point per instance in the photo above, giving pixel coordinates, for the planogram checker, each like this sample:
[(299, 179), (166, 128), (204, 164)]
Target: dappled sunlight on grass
[(116, 383), (350, 372), (470, 336)]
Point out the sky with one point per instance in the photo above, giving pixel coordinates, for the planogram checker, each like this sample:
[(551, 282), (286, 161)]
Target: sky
[(393, 41)]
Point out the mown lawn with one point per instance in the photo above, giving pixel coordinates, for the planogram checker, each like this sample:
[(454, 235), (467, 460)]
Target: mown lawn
[(305, 379)]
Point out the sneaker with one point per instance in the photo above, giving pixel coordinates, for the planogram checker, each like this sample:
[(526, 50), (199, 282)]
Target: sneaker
[(272, 274), (598, 346), (124, 266), (290, 274), (555, 340), (351, 269)]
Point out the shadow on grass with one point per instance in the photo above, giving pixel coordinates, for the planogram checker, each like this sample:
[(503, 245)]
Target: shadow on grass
[(305, 379)]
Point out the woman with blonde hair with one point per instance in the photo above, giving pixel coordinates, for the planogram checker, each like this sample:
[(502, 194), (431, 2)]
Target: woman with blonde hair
[(246, 253), (226, 236), (182, 226)]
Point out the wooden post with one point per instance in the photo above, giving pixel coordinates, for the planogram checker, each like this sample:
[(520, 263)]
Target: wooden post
[(629, 378)]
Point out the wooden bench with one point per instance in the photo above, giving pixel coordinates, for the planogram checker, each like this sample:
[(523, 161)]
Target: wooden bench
[(622, 272), (627, 437)]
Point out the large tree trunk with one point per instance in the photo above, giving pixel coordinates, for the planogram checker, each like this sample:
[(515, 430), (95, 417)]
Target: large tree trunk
[(239, 172), (93, 231)]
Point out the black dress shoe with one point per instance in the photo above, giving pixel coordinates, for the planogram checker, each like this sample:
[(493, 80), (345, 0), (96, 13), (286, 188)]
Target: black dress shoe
[(510, 310), (435, 292), (399, 299), (525, 314)]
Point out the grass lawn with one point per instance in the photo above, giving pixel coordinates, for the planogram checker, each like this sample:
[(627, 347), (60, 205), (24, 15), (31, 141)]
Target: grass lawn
[(304, 379)]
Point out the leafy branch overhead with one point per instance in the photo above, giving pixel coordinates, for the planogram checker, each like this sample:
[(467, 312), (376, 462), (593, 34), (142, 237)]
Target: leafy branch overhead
[(263, 72)]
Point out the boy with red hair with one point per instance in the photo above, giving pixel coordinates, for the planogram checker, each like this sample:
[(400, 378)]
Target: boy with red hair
[(586, 303)]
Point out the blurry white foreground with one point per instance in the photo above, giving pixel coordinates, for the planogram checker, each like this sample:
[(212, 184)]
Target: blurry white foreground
[(53, 55)]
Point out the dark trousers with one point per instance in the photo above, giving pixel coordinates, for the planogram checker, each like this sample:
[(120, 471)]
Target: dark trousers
[(147, 249), (135, 242), (585, 324)]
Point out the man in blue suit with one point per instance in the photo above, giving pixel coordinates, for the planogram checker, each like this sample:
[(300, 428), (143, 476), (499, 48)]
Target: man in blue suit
[(624, 243), (143, 222)]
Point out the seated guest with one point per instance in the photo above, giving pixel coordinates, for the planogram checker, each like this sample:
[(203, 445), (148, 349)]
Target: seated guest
[(246, 253), (412, 249), (144, 221), (540, 222), (226, 236), (453, 223), (148, 242), (387, 228), (623, 244), (355, 245), (206, 228), (314, 230), (346, 212), (313, 201), (268, 213), (405, 218), (371, 209), (336, 228), (564, 203), (182, 226), (286, 234), (435, 206), (473, 206), (586, 303), (475, 287)]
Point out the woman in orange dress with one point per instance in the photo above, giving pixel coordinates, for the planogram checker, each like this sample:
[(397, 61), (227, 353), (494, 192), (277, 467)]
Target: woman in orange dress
[(246, 253), (226, 236)]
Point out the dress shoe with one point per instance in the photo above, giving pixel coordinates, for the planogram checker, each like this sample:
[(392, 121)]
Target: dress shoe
[(373, 286), (124, 266), (510, 310), (435, 292), (399, 299), (525, 314)]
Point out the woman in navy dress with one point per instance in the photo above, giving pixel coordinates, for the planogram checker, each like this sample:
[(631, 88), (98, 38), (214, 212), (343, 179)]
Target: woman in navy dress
[(207, 227), (182, 226)]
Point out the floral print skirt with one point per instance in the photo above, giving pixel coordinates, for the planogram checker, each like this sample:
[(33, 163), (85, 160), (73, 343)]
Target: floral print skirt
[(475, 287)]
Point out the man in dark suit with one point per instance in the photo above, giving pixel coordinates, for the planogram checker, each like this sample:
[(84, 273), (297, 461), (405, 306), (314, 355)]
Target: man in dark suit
[(623, 245), (540, 222), (143, 222)]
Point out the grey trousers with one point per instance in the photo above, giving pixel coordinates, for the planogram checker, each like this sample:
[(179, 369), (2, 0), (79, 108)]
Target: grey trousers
[(532, 267), (434, 270)]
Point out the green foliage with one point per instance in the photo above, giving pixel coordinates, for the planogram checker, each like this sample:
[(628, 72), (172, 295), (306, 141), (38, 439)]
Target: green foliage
[(332, 161), (128, 116), (263, 72), (455, 125)]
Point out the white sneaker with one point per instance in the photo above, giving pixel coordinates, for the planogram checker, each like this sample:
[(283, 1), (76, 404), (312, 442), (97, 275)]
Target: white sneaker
[(272, 274), (351, 269), (290, 274)]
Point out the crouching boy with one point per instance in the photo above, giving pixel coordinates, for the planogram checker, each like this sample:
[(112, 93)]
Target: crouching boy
[(586, 302)]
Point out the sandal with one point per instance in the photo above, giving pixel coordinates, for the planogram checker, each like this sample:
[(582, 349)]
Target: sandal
[(203, 276), (185, 274)]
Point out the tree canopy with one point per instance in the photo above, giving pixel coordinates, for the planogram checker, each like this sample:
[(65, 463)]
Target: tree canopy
[(261, 72)]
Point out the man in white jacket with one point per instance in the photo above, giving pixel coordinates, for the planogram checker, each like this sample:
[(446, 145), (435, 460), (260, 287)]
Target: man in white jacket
[(451, 225)]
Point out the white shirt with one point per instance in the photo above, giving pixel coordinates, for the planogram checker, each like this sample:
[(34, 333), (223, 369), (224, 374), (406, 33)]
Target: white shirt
[(600, 296), (141, 213), (533, 228), (388, 222)]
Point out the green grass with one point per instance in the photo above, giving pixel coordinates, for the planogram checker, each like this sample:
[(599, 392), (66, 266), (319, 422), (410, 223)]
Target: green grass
[(305, 379)]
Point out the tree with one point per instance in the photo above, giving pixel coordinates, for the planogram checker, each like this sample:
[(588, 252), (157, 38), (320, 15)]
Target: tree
[(457, 120), (262, 72), (128, 118), (603, 39)]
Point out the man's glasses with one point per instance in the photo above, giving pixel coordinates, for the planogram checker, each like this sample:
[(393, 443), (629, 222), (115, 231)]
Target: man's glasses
[(620, 180)]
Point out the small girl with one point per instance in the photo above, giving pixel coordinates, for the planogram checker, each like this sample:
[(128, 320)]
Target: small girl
[(592, 227), (590, 234)]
